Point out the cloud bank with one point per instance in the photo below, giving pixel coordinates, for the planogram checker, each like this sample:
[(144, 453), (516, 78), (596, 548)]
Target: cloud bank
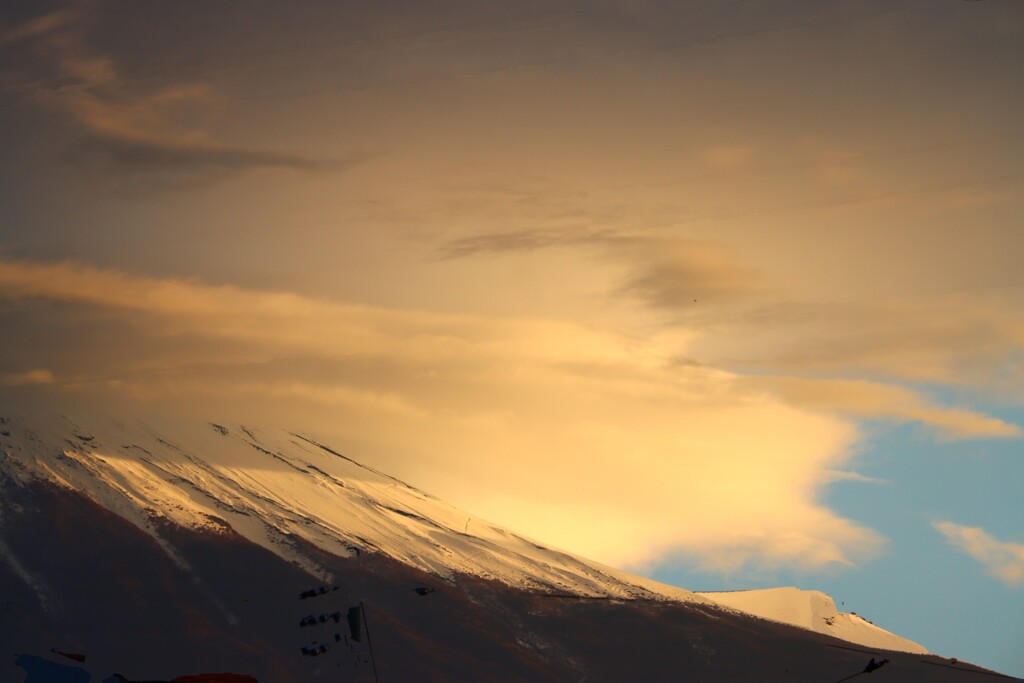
[(583, 438)]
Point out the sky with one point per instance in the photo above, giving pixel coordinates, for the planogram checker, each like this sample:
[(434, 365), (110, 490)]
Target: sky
[(724, 293)]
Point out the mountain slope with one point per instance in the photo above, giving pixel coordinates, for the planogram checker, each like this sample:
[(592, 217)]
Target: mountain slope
[(274, 487), (109, 590), (221, 514)]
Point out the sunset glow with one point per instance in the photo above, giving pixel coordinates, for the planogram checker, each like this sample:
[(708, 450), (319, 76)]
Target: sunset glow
[(690, 289)]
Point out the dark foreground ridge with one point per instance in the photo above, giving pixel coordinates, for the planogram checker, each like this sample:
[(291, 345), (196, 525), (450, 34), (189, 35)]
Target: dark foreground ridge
[(79, 580)]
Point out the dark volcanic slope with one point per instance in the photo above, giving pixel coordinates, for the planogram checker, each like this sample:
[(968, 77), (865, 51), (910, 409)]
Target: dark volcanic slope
[(100, 586)]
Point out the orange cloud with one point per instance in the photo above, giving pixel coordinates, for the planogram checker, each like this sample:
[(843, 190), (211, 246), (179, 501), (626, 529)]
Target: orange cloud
[(966, 338), (875, 400), (517, 419), (30, 377)]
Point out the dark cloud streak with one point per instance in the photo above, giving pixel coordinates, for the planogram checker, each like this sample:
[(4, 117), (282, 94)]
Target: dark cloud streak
[(148, 165), (665, 272), (525, 240)]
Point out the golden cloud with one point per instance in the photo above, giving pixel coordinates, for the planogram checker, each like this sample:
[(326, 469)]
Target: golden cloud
[(875, 400), (516, 419)]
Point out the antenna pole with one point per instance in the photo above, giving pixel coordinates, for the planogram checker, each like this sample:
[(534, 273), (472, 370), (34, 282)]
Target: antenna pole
[(369, 642)]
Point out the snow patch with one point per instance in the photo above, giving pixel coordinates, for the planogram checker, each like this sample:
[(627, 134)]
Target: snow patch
[(814, 611)]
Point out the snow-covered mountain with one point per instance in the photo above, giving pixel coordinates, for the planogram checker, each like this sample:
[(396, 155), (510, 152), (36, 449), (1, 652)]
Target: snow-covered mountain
[(275, 487), (277, 494), (814, 611)]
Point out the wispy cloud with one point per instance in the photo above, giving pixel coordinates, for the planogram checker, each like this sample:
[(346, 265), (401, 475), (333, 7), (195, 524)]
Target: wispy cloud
[(157, 137), (29, 377), (525, 240), (39, 26), (944, 339), (676, 273), (725, 307), (865, 399), (738, 316), (152, 154), (666, 272), (845, 475), (1002, 559)]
